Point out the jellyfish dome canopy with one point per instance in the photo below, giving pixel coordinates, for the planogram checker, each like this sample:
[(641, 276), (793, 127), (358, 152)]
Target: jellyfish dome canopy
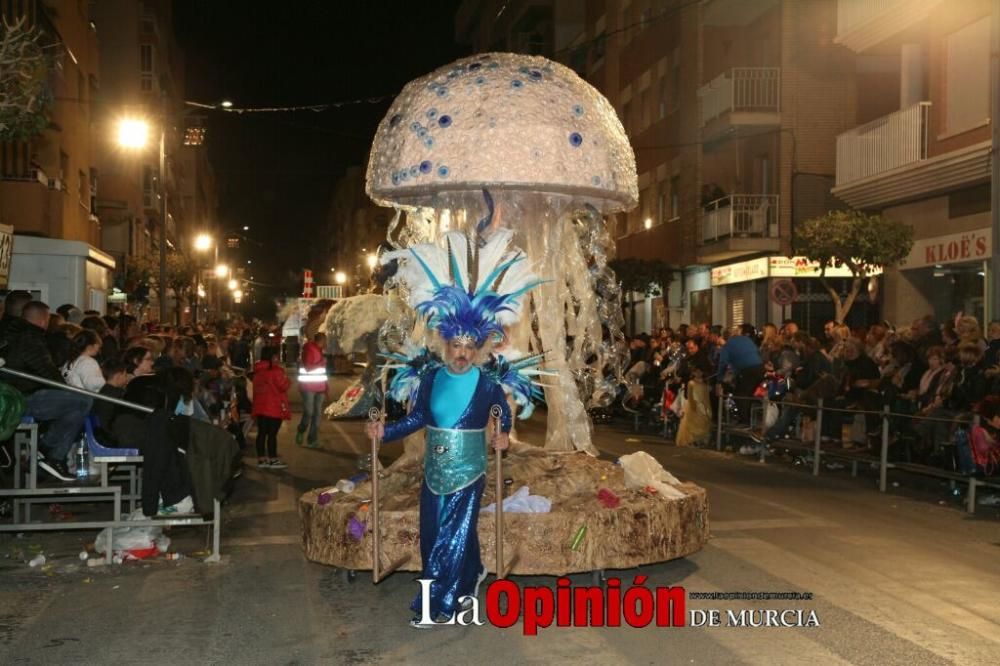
[(502, 121)]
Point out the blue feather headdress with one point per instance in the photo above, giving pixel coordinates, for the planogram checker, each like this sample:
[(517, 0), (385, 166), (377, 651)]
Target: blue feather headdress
[(466, 286)]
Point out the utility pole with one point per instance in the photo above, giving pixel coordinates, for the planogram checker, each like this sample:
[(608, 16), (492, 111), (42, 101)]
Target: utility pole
[(993, 275), (162, 281)]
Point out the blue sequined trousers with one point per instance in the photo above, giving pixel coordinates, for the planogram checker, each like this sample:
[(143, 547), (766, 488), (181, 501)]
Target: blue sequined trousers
[(449, 542)]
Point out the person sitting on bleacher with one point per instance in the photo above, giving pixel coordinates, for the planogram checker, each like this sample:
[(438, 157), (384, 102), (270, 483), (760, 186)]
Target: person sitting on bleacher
[(24, 349)]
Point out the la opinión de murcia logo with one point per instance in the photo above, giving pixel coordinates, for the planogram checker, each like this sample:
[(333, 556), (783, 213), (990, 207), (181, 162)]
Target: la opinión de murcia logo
[(593, 606)]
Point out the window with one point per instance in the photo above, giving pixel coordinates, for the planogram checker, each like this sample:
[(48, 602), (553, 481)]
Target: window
[(81, 187), (663, 97), (148, 185), (146, 58), (967, 77), (93, 191), (146, 67), (644, 114), (675, 79), (661, 204), (675, 197)]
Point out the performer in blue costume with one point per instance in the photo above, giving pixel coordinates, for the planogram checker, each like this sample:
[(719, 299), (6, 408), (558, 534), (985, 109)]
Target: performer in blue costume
[(452, 399)]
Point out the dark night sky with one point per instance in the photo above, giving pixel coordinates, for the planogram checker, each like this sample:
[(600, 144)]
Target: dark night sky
[(276, 171)]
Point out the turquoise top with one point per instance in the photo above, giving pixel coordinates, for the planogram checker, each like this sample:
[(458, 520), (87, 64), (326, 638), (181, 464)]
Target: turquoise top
[(451, 395)]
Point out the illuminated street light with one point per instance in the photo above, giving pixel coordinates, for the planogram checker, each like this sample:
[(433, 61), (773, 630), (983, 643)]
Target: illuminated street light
[(202, 242), (238, 294), (221, 271), (133, 133), (246, 227), (648, 223), (201, 291), (232, 284), (340, 277), (372, 261), (226, 104)]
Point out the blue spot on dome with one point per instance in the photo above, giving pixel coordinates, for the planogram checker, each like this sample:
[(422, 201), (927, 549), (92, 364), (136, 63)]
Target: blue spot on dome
[(443, 171), (422, 132), (535, 75), (575, 139), (429, 142), (395, 178), (474, 66), (444, 121), (577, 110), (516, 83), (492, 65), (395, 120), (442, 91), (413, 171), (480, 80), (432, 113), (414, 126), (523, 69), (596, 180), (425, 166)]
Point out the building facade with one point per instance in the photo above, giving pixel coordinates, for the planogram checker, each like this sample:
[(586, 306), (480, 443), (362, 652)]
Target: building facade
[(920, 151), (49, 182), (355, 228), (733, 108)]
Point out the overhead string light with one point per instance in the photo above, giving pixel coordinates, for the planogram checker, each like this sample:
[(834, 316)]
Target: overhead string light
[(315, 108)]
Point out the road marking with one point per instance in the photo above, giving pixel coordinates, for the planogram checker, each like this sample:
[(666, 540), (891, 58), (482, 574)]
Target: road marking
[(926, 618), (350, 440)]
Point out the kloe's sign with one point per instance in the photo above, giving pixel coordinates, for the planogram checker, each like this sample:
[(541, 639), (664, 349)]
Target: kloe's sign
[(951, 249)]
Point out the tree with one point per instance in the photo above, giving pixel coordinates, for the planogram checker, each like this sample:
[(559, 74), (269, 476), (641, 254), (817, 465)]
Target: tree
[(25, 95), (646, 276), (860, 242), (144, 271)]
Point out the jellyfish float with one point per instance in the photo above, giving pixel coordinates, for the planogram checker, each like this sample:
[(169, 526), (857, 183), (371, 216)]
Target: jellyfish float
[(522, 143)]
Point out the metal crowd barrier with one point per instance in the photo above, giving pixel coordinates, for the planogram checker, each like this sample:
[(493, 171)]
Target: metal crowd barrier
[(883, 463)]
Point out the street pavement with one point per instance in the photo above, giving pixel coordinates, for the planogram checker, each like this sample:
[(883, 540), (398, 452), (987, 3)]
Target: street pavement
[(900, 578)]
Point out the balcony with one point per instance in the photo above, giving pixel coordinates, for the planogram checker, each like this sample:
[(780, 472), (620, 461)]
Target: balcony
[(739, 224), (885, 161), (862, 24), (888, 143), (743, 97)]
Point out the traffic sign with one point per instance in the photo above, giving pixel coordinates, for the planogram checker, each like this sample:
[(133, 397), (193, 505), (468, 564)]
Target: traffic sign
[(784, 292)]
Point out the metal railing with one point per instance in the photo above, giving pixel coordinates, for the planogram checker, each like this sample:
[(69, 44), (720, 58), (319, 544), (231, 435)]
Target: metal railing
[(740, 216), (877, 456), (853, 13), (747, 89), (889, 142)]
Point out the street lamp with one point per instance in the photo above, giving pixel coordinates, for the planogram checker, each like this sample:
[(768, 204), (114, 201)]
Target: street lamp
[(372, 261), (340, 277), (133, 134), (202, 242), (221, 271), (232, 284)]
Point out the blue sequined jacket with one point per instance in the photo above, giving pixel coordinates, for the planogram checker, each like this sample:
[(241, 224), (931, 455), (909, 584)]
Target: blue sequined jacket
[(475, 417)]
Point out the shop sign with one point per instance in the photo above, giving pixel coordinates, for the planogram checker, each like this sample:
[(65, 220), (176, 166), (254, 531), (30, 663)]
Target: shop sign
[(744, 271), (801, 267), (776, 267), (6, 250), (951, 249)]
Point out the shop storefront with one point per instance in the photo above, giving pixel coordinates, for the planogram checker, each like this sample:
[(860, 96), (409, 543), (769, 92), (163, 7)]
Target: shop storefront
[(942, 275), (744, 292)]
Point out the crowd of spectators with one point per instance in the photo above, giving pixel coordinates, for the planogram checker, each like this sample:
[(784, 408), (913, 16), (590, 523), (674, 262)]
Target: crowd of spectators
[(193, 371), (932, 375)]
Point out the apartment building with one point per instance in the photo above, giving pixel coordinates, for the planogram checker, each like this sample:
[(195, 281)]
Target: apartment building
[(920, 151), (142, 77), (49, 183), (355, 227), (732, 108)]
